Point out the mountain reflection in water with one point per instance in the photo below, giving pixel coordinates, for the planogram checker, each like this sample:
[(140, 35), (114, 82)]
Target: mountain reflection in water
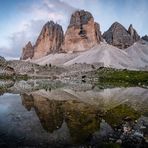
[(66, 117)]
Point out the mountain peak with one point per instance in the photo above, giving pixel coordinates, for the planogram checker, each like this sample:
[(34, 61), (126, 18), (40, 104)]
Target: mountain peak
[(82, 33), (145, 38), (80, 17), (29, 44), (133, 33), (28, 51), (49, 23), (49, 40), (116, 26), (130, 26), (118, 36)]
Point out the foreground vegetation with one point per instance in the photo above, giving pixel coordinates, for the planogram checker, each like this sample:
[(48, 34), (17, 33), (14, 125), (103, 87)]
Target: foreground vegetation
[(124, 78), (14, 77)]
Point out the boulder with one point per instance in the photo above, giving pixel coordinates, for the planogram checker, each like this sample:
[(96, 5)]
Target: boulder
[(82, 33), (5, 69)]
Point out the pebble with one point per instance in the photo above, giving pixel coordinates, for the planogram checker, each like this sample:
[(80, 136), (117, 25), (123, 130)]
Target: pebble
[(119, 141), (138, 134), (111, 139), (142, 127)]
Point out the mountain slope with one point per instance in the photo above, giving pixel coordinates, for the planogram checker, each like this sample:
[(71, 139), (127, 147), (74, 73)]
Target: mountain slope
[(109, 55), (55, 59), (134, 57), (139, 53)]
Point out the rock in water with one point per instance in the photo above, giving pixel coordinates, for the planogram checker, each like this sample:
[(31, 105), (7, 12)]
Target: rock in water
[(82, 33), (28, 52), (49, 40), (133, 33), (118, 36)]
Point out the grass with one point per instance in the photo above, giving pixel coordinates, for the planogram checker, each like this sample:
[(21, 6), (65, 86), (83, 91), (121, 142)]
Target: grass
[(124, 78), (14, 77)]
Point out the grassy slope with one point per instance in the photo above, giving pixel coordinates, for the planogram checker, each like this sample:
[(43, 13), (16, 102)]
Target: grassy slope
[(125, 78)]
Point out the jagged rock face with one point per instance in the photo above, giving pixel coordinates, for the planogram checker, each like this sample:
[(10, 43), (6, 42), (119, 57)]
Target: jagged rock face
[(82, 32), (133, 33), (49, 40), (145, 38), (28, 52), (118, 36)]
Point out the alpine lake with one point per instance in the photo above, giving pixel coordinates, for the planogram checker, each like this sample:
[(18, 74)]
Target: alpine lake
[(53, 113)]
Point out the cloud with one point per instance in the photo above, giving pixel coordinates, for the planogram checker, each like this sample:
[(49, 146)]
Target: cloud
[(56, 10), (17, 40), (33, 15), (30, 24)]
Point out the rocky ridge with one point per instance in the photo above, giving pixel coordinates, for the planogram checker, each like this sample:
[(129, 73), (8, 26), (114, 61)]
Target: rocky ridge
[(83, 43), (118, 36)]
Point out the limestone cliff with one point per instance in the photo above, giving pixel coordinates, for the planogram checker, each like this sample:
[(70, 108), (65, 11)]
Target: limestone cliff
[(82, 33), (28, 52), (133, 33), (49, 40)]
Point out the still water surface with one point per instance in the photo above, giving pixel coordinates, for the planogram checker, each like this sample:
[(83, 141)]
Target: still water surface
[(69, 117)]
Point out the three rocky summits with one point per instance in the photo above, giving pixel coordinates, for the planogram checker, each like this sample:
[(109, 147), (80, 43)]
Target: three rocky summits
[(82, 34)]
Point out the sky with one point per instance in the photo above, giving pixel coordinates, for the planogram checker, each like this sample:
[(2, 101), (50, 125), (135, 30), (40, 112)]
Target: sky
[(22, 20)]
